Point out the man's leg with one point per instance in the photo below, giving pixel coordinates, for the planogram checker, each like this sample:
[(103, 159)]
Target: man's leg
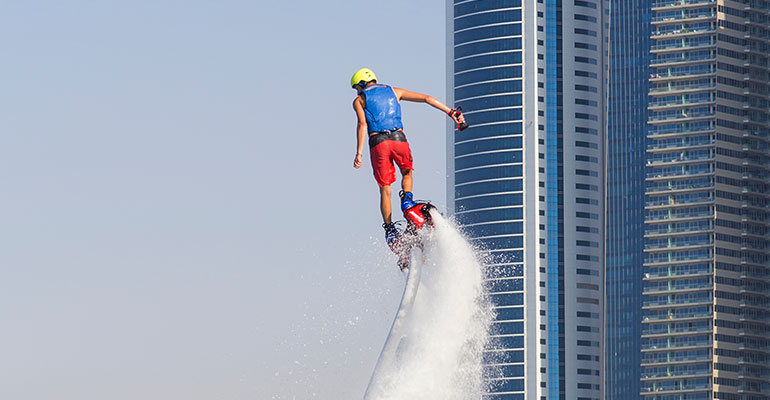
[(406, 180), (385, 206)]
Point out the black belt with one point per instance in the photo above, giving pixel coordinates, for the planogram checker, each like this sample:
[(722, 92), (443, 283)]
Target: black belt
[(379, 137)]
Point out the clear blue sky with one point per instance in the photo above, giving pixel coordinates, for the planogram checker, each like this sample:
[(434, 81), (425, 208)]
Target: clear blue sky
[(179, 217)]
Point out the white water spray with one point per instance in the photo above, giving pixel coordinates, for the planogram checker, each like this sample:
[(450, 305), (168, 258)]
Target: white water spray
[(436, 344)]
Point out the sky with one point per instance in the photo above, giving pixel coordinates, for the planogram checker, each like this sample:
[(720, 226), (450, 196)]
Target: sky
[(179, 215)]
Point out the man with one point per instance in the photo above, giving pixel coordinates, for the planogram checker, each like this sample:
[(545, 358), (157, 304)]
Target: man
[(379, 118)]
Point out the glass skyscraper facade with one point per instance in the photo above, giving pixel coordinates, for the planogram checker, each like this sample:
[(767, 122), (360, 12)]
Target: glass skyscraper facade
[(706, 324), (627, 99), (527, 183)]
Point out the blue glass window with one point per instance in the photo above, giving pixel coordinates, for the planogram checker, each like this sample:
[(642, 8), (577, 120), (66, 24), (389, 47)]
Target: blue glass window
[(476, 217), (477, 146), (505, 228), (496, 101), (509, 328), (473, 203), (503, 157), (488, 60), (488, 131), (512, 242), (506, 396), (506, 270), (497, 371), (488, 173), (509, 342), (508, 385), (503, 357), (476, 6), (505, 285), (487, 74), (471, 189), (487, 46), (488, 32), (487, 18), (489, 88), (508, 299), (504, 314), (508, 257), (494, 116)]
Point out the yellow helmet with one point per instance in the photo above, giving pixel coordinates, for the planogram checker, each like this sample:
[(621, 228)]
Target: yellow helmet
[(362, 75)]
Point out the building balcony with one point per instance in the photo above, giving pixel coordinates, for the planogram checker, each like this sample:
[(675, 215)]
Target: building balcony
[(754, 206), (675, 88), (754, 388), (678, 317), (673, 393), (759, 36), (672, 375), (674, 76), (685, 16), (653, 335), (676, 387), (664, 5), (745, 361), (755, 376), (658, 144), (686, 288), (664, 230), (759, 148), (668, 131), (755, 291), (749, 262), (663, 205), (672, 187), (679, 117), (681, 160), (748, 302), (761, 333), (757, 6), (755, 235), (752, 347), (672, 105), (683, 215), (663, 48), (676, 273), (673, 174), (682, 33), (677, 260), (685, 58), (654, 359), (649, 305)]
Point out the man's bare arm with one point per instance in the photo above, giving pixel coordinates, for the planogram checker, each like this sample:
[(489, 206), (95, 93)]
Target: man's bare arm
[(360, 131), (404, 94)]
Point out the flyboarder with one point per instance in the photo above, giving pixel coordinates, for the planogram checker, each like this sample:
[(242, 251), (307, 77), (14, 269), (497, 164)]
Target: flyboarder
[(379, 118)]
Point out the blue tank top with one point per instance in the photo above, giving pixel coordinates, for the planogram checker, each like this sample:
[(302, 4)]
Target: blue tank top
[(381, 108)]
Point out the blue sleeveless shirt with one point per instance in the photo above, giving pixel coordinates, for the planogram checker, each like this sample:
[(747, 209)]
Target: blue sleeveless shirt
[(381, 108)]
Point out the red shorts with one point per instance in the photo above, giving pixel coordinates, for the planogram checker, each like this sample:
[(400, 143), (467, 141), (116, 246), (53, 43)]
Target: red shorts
[(383, 156)]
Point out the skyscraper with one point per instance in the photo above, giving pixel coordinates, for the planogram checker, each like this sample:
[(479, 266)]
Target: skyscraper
[(627, 99), (527, 183), (707, 268)]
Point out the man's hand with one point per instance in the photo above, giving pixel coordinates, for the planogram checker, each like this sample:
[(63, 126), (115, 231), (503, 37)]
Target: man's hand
[(357, 162), (457, 117)]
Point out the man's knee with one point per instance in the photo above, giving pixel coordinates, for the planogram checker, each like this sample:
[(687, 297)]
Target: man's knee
[(385, 190), (406, 172)]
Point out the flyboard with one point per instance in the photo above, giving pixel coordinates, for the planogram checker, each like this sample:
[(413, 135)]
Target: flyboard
[(417, 217)]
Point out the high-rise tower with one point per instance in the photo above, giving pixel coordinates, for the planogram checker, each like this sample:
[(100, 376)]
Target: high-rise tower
[(527, 182), (628, 85), (707, 264)]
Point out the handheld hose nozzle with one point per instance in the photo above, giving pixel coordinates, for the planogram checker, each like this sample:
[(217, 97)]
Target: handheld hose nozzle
[(458, 111)]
